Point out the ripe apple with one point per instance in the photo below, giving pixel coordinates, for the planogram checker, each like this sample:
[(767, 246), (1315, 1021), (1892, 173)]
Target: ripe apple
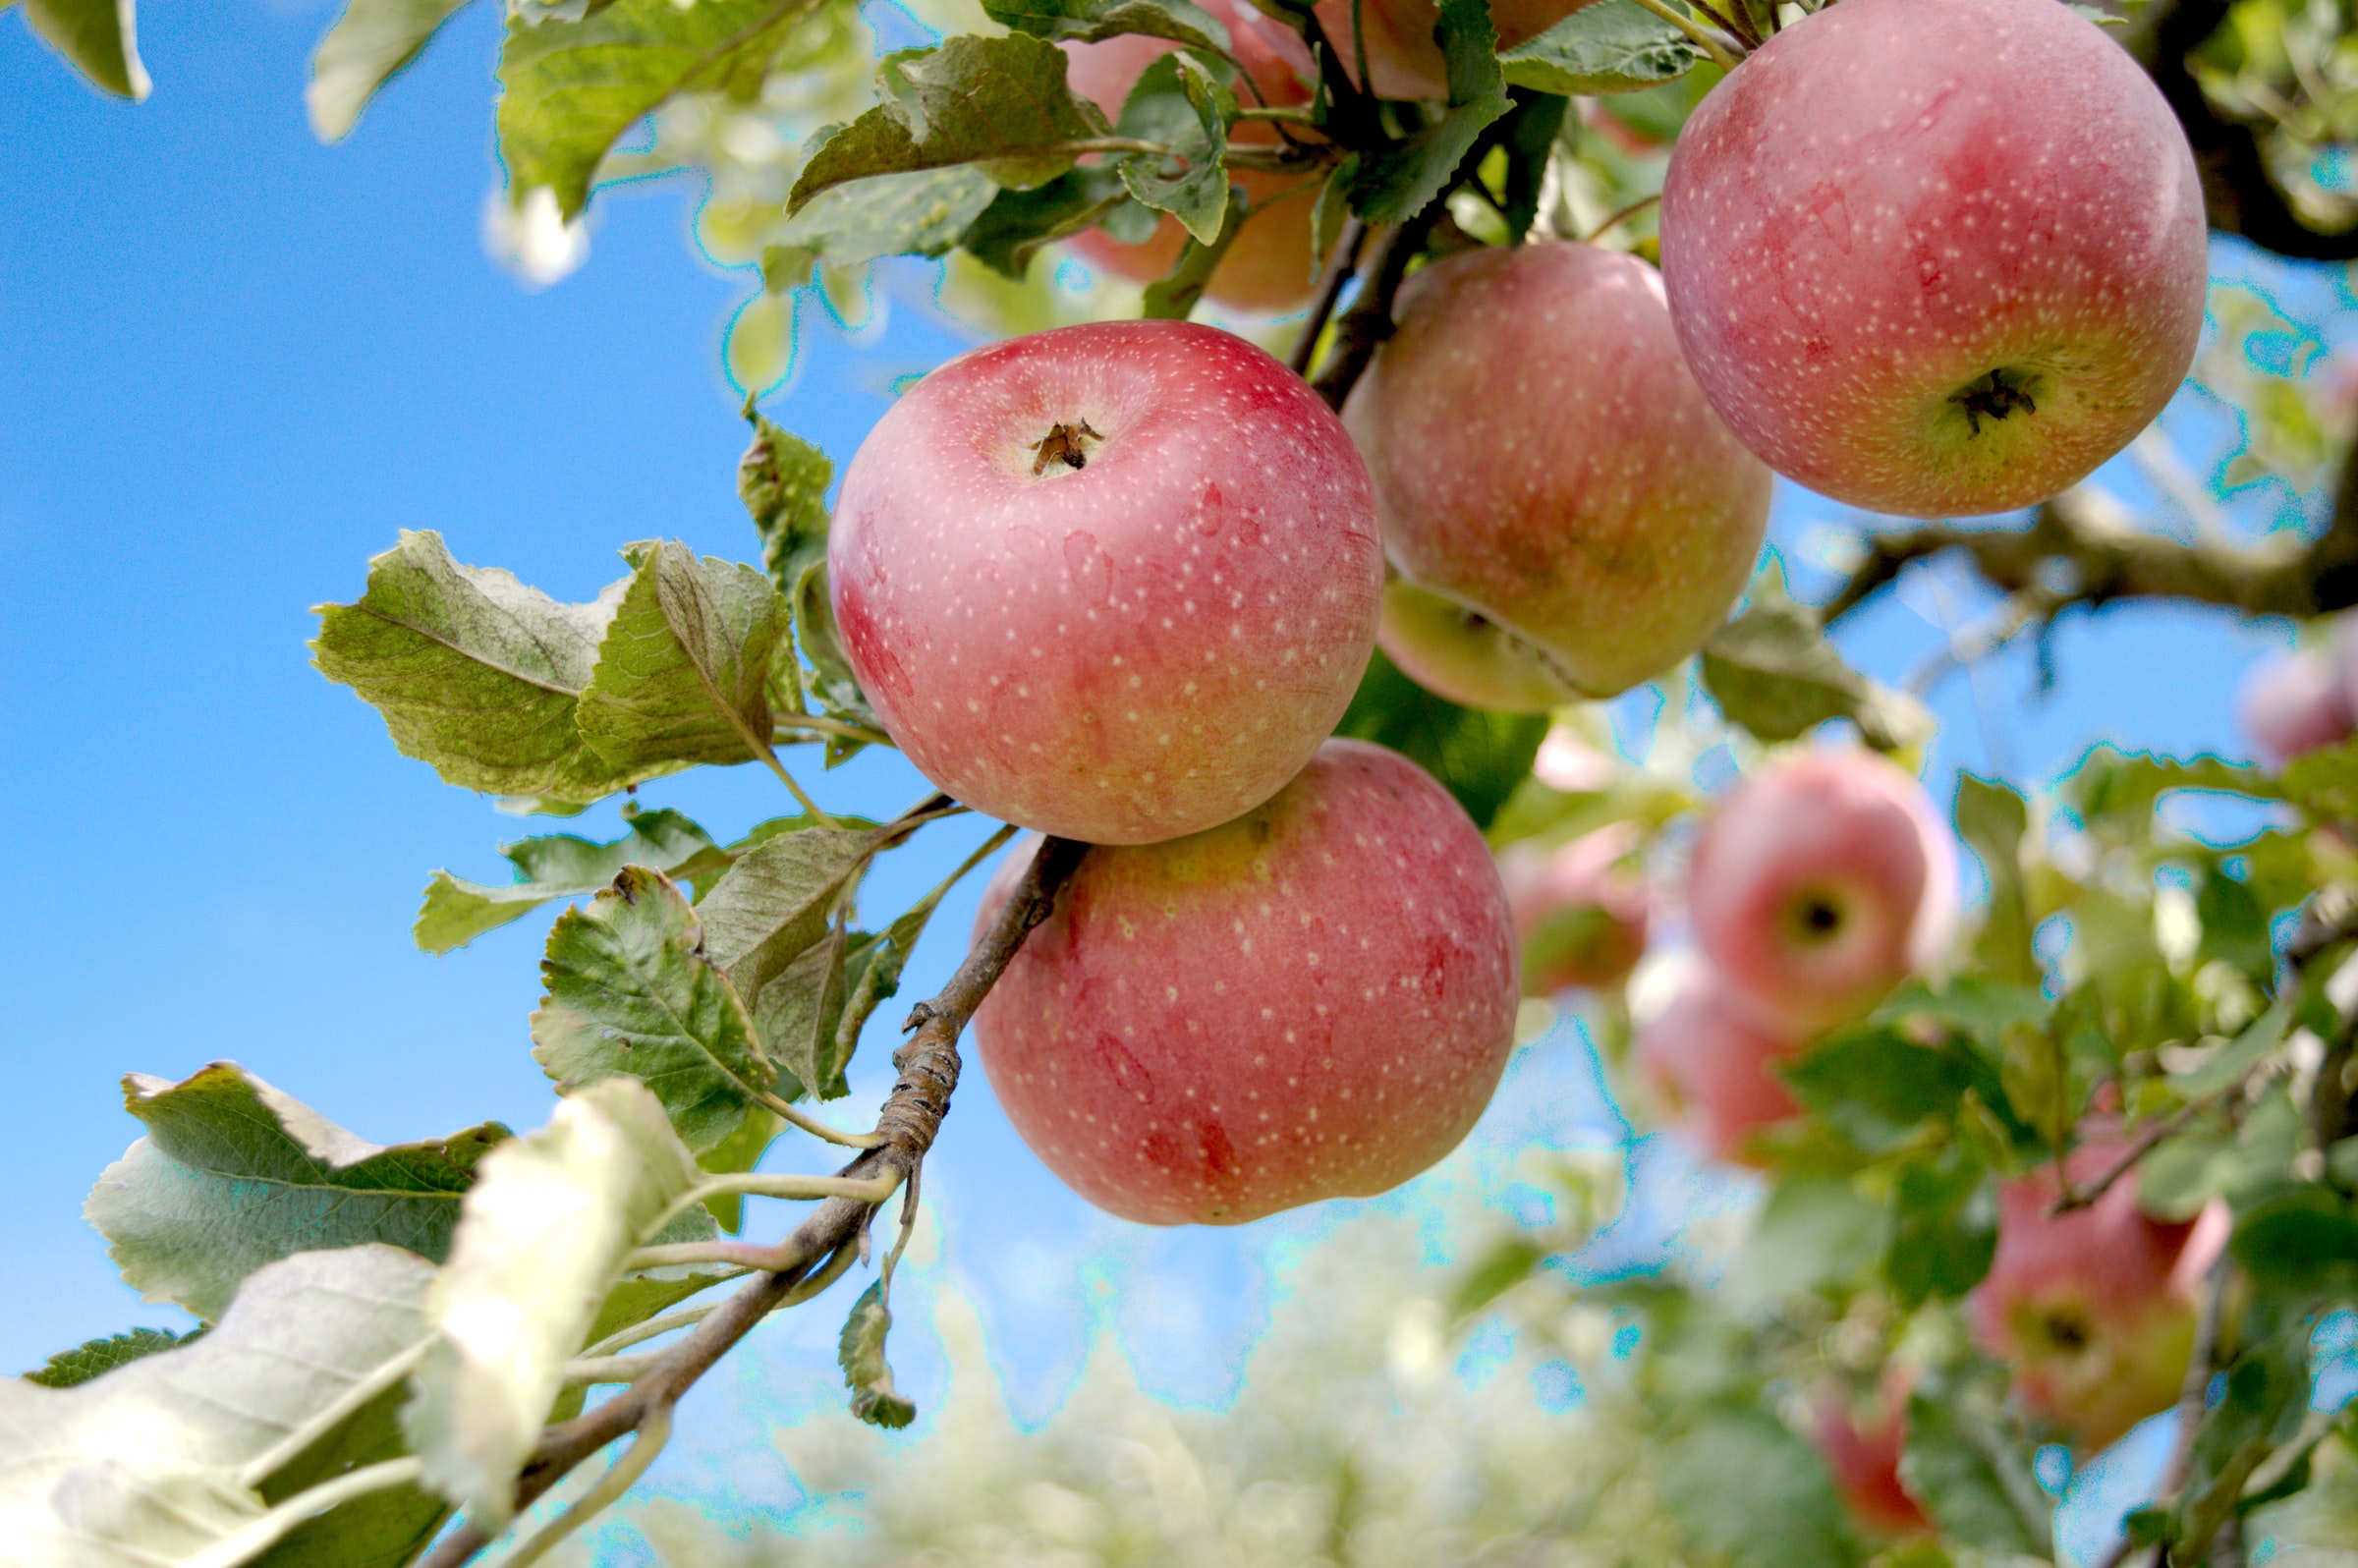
[(1822, 882), (1936, 257), (1313, 1001), (1542, 458), (1271, 266), (1464, 655), (2293, 704), (1404, 58), (1113, 581), (2094, 1308), (1861, 1449), (1579, 910), (1710, 1063)]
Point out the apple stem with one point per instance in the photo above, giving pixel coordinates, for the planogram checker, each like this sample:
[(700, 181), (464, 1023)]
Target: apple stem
[(1623, 216), (1339, 271), (1369, 322)]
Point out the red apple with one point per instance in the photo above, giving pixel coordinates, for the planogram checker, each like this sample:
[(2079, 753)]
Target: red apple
[(1936, 257), (2293, 704), (1271, 266), (1124, 649), (1822, 882), (1463, 655), (1542, 458), (1313, 1001), (1710, 1065), (1861, 1449), (1403, 56), (2094, 1310), (1579, 910)]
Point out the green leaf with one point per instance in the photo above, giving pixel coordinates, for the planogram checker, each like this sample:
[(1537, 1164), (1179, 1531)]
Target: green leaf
[(1179, 104), (1772, 671), (562, 865), (861, 1354), (1088, 21), (2241, 1165), (95, 1357), (798, 1013), (1947, 1467), (570, 88), (1875, 1086), (836, 687), (891, 215), (1398, 183), (2303, 1242), (1943, 1227), (2116, 788), (1173, 298), (998, 103), (1992, 819), (683, 675), (234, 1174), (1528, 143), (173, 1453), (2325, 783), (630, 992), (1479, 756), (1981, 1010), (1612, 46), (783, 481), (370, 43), (1814, 1233), (773, 905), (1748, 1490), (1008, 233), (2234, 925), (546, 1230), (474, 672), (1506, 1263), (97, 38)]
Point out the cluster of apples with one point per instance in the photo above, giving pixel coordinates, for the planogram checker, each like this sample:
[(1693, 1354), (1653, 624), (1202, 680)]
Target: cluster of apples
[(1118, 582)]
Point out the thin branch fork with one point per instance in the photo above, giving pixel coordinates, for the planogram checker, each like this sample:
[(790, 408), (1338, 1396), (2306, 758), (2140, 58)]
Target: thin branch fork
[(909, 1122)]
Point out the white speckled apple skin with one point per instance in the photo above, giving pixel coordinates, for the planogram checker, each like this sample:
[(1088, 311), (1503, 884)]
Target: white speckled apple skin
[(1542, 456), (1894, 197), (1131, 651), (1315, 1001)]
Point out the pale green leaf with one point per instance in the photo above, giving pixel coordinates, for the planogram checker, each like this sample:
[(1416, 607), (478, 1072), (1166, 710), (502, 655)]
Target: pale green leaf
[(562, 865), (1180, 104), (1611, 47), (546, 1230), (631, 992), (569, 88), (474, 672), (173, 1453), (98, 36), (773, 904), (684, 671), (234, 1174), (1992, 819), (370, 43), (859, 1352), (1000, 104), (891, 215), (1752, 1495), (1088, 21), (1772, 671)]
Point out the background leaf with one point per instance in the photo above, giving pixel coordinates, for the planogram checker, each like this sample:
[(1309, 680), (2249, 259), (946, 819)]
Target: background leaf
[(1087, 21), (370, 43), (1772, 671), (98, 36), (1479, 756), (1991, 819), (563, 866), (1611, 47), (234, 1174)]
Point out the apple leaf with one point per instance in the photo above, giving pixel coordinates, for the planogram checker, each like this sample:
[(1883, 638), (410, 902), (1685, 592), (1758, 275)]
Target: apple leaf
[(546, 1231), (2109, 787), (234, 1174), (1749, 1491), (1529, 143), (474, 672), (631, 994), (1992, 819), (158, 1460), (1943, 1227), (835, 686), (797, 1012), (1395, 185), (1480, 756), (859, 1352), (97, 38), (772, 907), (1010, 231), (1000, 104), (370, 43), (889, 214), (683, 675), (95, 1357), (569, 88), (2325, 782), (783, 480), (1173, 297), (1179, 104), (1875, 1086), (562, 865), (1611, 47), (1772, 671), (1089, 21), (1948, 1469)]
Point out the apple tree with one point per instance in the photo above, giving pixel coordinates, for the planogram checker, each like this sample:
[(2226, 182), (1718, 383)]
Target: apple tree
[(1292, 668)]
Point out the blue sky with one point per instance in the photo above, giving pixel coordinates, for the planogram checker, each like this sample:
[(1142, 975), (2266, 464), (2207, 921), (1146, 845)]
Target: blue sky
[(233, 364)]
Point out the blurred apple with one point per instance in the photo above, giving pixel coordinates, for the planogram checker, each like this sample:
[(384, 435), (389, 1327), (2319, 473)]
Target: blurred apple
[(1542, 459), (1821, 882), (1862, 1447), (2293, 704), (1710, 1063), (1579, 910), (1937, 259), (1313, 1001)]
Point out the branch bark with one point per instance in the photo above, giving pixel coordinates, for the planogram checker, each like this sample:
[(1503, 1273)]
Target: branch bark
[(908, 1123)]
